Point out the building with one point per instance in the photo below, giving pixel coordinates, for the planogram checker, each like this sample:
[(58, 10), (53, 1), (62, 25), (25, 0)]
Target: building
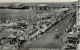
[(78, 16), (78, 21), (16, 6), (43, 7), (37, 7)]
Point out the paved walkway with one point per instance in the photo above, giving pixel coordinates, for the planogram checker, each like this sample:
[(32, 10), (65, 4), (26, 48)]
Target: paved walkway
[(47, 40)]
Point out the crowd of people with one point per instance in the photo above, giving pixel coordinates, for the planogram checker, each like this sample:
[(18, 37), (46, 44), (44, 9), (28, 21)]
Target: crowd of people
[(28, 28)]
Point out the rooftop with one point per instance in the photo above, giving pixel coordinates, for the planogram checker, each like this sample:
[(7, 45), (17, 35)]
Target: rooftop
[(42, 5)]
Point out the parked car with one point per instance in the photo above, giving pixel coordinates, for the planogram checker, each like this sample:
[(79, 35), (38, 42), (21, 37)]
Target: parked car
[(68, 30), (67, 49), (71, 41), (56, 36), (73, 38), (71, 47), (57, 29)]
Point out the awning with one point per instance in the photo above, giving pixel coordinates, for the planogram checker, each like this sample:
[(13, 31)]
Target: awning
[(12, 36)]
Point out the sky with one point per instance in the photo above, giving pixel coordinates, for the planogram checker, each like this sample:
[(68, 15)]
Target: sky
[(37, 0)]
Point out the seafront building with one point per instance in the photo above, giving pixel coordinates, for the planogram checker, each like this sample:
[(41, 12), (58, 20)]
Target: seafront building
[(78, 15), (78, 21)]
